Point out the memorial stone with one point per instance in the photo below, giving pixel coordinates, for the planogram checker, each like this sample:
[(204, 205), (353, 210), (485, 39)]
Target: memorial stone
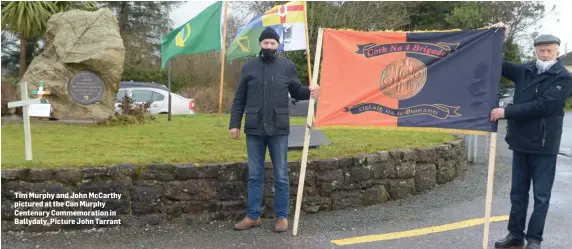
[(82, 62)]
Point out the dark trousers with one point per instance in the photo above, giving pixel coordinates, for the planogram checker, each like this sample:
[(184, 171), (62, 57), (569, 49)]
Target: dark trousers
[(541, 170)]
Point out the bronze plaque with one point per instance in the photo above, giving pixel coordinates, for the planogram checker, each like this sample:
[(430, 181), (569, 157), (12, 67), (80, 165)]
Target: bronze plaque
[(86, 88)]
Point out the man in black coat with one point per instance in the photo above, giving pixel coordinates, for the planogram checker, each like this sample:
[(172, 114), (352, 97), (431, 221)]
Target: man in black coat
[(534, 130), (262, 95)]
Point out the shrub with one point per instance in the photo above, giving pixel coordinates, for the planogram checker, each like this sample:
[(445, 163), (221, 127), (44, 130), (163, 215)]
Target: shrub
[(130, 113), (10, 92), (207, 98)]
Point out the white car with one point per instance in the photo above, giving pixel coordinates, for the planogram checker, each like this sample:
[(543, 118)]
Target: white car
[(507, 97), (159, 94)]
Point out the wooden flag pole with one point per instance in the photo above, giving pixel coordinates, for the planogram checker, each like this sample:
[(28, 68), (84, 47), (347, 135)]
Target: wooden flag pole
[(309, 124), (222, 62), (169, 117), (308, 54), (490, 180), (307, 43)]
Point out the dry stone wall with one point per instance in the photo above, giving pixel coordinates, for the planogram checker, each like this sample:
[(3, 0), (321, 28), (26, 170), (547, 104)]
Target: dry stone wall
[(133, 195)]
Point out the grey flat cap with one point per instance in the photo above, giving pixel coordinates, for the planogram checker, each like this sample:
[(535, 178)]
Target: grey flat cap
[(546, 39)]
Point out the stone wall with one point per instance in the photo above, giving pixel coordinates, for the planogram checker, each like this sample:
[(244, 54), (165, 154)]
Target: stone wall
[(151, 194)]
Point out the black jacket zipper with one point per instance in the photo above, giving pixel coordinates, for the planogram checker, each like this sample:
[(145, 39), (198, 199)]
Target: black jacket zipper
[(542, 124), (543, 129), (264, 98)]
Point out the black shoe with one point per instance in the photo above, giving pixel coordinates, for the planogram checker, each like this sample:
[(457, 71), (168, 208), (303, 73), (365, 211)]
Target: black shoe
[(533, 244), (510, 241)]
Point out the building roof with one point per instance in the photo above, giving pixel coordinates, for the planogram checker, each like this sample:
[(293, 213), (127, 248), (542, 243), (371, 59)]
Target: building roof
[(567, 59)]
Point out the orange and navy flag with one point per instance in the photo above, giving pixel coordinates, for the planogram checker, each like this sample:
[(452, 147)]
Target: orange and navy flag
[(444, 80)]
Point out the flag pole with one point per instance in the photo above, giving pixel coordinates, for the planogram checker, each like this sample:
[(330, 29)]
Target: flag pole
[(490, 180), (307, 42), (309, 123), (308, 46), (169, 61), (222, 62)]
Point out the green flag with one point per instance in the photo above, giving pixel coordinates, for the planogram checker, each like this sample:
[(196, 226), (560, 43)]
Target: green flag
[(246, 42), (200, 34)]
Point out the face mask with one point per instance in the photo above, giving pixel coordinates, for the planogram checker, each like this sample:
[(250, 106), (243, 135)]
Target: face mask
[(268, 54), (544, 65)]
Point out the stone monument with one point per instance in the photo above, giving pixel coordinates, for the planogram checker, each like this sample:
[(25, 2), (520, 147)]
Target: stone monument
[(82, 64)]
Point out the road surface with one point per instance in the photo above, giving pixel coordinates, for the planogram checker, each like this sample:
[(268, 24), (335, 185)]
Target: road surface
[(443, 209)]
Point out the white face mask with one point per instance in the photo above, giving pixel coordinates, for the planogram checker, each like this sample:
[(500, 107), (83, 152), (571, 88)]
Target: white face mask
[(544, 65)]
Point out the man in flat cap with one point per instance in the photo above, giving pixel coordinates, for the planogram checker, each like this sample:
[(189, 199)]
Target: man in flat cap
[(262, 95), (534, 130)]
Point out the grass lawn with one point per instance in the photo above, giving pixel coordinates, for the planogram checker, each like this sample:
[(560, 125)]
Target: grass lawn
[(189, 139), (569, 104)]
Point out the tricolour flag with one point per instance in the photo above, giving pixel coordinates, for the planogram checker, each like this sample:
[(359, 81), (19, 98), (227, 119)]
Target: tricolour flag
[(200, 34), (446, 80), (286, 19)]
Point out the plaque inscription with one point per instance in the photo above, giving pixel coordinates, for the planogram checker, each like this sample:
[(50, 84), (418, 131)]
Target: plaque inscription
[(86, 88)]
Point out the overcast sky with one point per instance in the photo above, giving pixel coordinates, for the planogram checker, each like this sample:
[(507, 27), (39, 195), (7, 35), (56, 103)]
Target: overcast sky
[(558, 25)]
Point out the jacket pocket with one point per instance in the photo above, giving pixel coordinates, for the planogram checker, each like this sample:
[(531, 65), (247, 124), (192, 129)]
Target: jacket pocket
[(552, 133), (281, 119), (527, 134), (252, 118), (509, 138)]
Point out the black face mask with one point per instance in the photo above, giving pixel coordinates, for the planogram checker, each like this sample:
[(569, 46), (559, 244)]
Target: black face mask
[(267, 54)]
